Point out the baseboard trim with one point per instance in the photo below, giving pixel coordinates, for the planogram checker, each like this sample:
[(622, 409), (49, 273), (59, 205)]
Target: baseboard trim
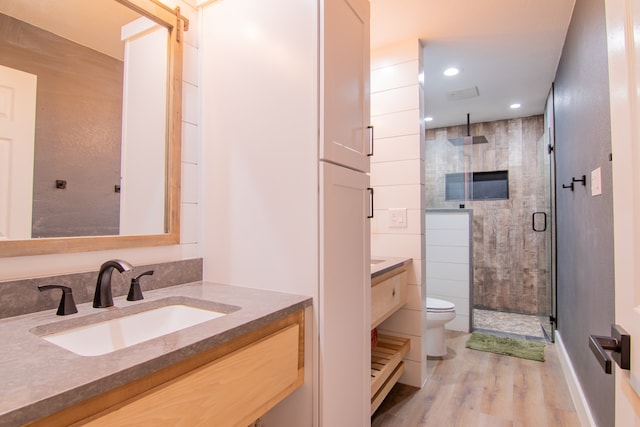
[(575, 389)]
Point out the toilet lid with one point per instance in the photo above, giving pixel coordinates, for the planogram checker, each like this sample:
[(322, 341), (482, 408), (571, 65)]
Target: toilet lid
[(434, 304)]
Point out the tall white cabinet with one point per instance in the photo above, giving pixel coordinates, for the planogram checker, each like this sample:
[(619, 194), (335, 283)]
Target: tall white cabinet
[(284, 187)]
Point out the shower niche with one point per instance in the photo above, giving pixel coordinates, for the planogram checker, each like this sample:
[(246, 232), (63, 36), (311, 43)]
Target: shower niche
[(492, 185)]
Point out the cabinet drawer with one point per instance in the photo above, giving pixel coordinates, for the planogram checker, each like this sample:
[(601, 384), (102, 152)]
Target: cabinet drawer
[(234, 390), (387, 295)]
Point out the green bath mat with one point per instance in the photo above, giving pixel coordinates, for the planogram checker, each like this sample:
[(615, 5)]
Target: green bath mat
[(508, 346)]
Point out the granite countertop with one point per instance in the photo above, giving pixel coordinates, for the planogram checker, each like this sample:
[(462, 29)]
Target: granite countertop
[(382, 264), (39, 378)]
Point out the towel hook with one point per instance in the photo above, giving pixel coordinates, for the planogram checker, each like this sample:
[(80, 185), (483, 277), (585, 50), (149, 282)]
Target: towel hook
[(583, 180)]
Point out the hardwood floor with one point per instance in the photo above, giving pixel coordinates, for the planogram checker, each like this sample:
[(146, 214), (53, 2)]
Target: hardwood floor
[(473, 388)]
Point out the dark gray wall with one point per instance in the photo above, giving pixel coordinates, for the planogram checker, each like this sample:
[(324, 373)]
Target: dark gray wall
[(78, 130), (585, 225)]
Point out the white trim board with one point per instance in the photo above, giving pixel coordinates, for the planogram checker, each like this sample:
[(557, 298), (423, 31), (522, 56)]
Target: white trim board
[(575, 389)]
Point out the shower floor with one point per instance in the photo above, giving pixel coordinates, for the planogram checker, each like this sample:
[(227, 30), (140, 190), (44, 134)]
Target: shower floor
[(509, 324)]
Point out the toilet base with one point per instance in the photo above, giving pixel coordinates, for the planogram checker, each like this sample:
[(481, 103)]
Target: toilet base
[(436, 344)]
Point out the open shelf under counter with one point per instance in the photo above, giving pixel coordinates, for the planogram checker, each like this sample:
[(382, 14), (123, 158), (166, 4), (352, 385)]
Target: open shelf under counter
[(386, 366)]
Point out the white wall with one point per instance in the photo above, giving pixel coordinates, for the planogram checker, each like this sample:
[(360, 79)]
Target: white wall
[(43, 265), (259, 217), (397, 177), (260, 159)]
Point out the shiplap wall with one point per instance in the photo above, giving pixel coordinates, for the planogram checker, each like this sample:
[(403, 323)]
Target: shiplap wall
[(397, 178), (449, 261)]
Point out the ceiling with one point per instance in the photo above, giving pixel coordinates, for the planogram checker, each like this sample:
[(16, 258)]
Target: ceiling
[(508, 49)]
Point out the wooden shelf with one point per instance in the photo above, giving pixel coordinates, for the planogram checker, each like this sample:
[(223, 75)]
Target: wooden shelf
[(377, 398), (386, 366)]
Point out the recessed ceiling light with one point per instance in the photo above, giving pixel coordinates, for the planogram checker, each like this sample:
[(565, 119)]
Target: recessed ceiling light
[(451, 71), (514, 106), (428, 119)]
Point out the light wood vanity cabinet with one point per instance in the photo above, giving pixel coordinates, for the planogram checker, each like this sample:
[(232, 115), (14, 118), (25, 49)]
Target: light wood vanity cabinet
[(233, 384), (389, 292)]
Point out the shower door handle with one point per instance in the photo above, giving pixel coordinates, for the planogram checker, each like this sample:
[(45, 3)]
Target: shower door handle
[(544, 224)]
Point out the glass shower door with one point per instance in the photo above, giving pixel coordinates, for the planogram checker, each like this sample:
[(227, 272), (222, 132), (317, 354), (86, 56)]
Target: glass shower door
[(549, 325)]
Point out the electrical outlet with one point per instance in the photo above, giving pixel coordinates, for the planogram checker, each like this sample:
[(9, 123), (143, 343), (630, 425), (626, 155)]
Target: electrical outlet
[(398, 217)]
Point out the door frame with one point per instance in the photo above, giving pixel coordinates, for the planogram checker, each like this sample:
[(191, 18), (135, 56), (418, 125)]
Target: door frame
[(624, 81)]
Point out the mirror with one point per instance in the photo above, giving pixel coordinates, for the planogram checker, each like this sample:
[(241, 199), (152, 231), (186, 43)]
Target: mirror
[(90, 125)]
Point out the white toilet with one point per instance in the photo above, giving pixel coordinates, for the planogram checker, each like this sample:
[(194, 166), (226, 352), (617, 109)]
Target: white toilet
[(439, 312)]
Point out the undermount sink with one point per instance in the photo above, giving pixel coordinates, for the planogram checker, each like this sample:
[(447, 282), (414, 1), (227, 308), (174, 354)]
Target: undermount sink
[(107, 336)]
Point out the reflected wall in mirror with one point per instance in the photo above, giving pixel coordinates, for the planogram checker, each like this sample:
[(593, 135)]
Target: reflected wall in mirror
[(90, 111)]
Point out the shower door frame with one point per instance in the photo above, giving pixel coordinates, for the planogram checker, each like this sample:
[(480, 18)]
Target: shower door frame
[(549, 121)]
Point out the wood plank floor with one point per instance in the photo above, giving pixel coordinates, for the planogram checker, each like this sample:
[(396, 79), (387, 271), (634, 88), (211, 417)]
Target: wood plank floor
[(474, 388)]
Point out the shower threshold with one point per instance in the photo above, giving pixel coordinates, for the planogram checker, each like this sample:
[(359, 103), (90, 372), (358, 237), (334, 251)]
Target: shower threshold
[(513, 325)]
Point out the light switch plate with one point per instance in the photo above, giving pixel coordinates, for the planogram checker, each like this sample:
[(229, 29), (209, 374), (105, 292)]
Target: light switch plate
[(397, 217), (596, 182)]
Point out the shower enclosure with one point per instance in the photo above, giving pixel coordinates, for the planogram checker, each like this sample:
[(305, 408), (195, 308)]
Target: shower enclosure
[(506, 181)]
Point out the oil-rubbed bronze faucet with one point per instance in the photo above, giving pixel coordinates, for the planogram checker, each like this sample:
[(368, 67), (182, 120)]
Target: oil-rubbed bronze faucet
[(103, 297)]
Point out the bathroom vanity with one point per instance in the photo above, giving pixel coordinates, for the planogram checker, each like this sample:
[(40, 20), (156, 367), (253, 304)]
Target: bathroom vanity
[(389, 289), (226, 371)]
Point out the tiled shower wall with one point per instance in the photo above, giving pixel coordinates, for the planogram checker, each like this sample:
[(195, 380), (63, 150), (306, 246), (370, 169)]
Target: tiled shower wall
[(510, 260)]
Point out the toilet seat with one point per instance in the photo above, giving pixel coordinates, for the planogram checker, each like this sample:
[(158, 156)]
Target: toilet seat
[(435, 305)]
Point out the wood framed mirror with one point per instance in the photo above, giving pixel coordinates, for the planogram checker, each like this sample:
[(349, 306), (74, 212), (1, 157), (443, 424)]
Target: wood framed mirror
[(105, 166)]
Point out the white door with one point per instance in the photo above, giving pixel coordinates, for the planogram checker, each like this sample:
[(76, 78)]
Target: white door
[(345, 298), (144, 124), (345, 83), (17, 132), (623, 33)]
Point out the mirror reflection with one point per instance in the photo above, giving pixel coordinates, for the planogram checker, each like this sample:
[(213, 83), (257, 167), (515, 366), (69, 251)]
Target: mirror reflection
[(83, 120)]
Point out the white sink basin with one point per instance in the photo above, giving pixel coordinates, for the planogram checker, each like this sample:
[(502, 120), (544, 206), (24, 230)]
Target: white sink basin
[(111, 335)]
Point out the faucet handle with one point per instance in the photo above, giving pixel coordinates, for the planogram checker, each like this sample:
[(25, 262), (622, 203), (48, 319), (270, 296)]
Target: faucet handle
[(67, 304), (135, 293)]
